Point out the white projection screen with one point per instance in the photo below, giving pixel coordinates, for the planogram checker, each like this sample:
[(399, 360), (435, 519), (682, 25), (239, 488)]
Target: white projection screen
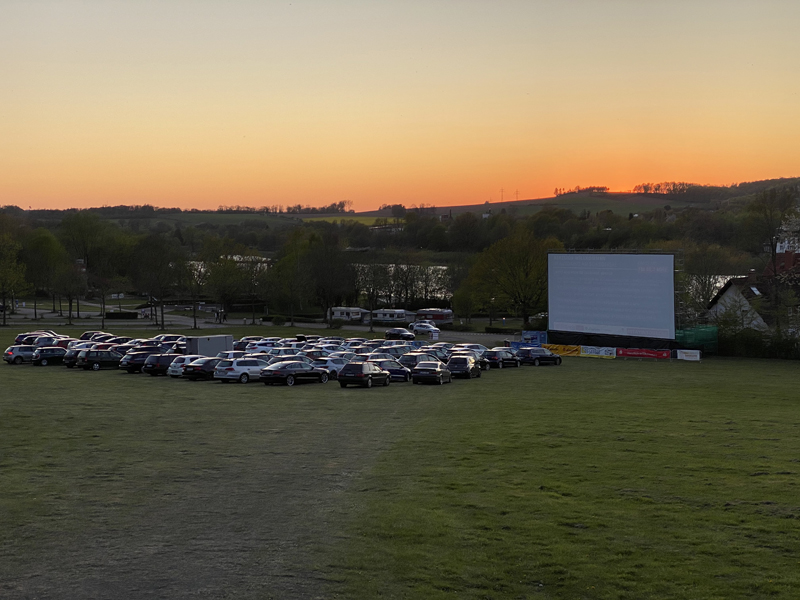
[(613, 294)]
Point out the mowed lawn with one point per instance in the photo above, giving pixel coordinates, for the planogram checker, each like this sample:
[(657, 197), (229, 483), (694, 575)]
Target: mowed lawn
[(596, 479)]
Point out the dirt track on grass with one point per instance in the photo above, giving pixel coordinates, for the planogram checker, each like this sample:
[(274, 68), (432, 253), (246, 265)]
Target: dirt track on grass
[(251, 518)]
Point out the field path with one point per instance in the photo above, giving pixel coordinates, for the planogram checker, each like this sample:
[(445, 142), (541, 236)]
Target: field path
[(211, 492)]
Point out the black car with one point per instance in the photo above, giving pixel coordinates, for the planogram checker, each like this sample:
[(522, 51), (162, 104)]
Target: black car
[(479, 359), (292, 372), (365, 374), (501, 358), (464, 366), (538, 356), (399, 334), (157, 364), (396, 370), (412, 359), (431, 371), (70, 358), (97, 359), (49, 355), (202, 368), (134, 361)]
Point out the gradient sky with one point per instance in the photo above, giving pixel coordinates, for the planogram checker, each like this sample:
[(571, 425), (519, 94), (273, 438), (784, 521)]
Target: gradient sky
[(201, 103)]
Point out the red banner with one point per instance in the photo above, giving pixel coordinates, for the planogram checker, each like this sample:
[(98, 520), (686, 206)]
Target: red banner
[(643, 353)]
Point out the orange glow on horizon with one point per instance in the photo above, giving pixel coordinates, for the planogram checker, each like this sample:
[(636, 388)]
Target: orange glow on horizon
[(310, 104)]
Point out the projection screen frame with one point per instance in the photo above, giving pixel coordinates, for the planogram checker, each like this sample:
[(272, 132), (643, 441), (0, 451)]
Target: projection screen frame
[(677, 307)]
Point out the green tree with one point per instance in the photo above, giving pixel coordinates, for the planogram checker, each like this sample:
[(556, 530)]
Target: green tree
[(156, 264), (12, 271), (513, 271), (770, 210), (43, 255)]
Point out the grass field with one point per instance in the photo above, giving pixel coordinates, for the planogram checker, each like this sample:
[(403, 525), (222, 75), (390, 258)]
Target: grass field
[(596, 479)]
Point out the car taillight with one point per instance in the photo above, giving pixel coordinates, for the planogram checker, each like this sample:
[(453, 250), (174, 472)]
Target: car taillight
[(229, 368)]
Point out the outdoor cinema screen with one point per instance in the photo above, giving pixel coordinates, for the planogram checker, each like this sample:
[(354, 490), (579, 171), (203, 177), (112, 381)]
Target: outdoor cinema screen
[(614, 294)]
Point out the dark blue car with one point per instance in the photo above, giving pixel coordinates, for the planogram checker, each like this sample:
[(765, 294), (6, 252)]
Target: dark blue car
[(396, 370)]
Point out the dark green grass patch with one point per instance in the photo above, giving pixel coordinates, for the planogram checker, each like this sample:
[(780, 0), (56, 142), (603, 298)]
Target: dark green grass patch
[(596, 480)]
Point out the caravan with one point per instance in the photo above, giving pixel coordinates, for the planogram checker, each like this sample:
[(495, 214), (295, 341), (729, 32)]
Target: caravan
[(347, 313)]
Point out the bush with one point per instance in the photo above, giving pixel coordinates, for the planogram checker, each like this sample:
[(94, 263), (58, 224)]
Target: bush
[(336, 323), (278, 320), (501, 330)]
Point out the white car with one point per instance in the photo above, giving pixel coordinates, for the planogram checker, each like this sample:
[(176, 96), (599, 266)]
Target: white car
[(333, 365), (478, 348), (240, 369), (175, 368), (261, 346), (421, 327), (423, 321)]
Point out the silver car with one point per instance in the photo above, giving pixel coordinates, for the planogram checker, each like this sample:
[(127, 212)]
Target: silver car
[(240, 369)]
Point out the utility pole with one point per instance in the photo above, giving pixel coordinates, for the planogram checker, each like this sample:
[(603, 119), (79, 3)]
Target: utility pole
[(516, 195), (501, 194)]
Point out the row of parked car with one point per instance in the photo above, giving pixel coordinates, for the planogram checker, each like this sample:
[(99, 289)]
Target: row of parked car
[(273, 360)]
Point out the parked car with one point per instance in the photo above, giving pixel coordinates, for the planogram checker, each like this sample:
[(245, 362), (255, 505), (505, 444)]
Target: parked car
[(263, 345), (64, 342), (98, 359), (240, 369), (399, 333), (87, 335), (18, 354), (421, 322), (479, 359), (271, 360), (380, 355), (396, 370), (49, 355), (332, 364), (397, 351), (365, 374), (133, 361), (412, 359), (315, 353), (231, 354), (291, 372), (424, 328), (431, 372), (170, 338), (158, 364), (501, 358), (464, 366), (202, 368), (479, 348), (439, 353), (71, 357), (538, 356)]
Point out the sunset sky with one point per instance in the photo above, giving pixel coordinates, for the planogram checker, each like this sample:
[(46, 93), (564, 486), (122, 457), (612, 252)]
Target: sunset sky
[(201, 103)]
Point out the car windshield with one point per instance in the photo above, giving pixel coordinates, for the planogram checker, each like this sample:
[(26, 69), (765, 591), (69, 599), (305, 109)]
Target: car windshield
[(428, 365), (225, 363)]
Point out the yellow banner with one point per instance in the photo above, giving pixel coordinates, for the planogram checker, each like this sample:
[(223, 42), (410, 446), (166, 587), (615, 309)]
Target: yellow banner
[(563, 350)]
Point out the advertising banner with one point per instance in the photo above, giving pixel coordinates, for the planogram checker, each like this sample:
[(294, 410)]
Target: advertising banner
[(643, 353), (688, 354), (598, 352), (533, 338), (563, 350)]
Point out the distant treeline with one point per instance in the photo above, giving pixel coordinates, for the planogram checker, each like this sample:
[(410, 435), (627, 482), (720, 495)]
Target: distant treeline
[(693, 192)]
